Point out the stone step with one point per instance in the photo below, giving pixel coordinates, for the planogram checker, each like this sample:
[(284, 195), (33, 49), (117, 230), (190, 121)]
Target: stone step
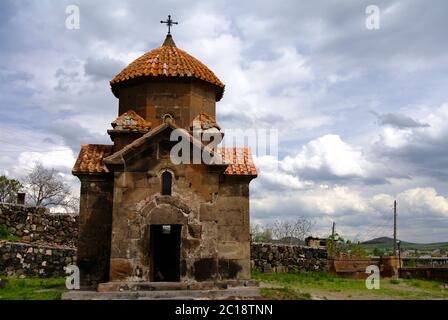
[(120, 286), (231, 293)]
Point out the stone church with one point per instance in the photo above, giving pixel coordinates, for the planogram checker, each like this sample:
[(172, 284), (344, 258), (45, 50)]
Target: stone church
[(143, 218)]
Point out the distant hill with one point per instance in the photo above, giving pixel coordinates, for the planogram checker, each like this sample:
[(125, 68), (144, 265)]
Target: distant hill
[(387, 242), (380, 240)]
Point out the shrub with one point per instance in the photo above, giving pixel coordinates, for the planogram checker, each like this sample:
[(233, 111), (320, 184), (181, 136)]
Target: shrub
[(338, 247), (3, 231), (5, 234)]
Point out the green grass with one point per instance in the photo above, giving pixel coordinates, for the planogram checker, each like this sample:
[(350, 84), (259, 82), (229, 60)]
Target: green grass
[(326, 286), (282, 286), (5, 234), (284, 294), (33, 289)]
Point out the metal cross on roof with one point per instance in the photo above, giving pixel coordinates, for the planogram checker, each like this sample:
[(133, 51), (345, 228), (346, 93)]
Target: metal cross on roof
[(169, 23)]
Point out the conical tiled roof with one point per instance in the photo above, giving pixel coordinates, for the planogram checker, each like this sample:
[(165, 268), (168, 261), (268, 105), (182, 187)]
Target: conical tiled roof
[(168, 61)]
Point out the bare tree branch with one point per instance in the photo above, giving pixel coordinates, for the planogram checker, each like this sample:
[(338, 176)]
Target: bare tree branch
[(289, 230), (46, 189)]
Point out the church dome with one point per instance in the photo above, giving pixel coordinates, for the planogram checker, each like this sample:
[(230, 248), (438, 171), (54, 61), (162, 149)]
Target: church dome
[(168, 61)]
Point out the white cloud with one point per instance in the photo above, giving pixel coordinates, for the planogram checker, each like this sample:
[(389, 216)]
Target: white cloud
[(60, 159), (422, 202), (328, 153), (335, 200), (435, 128), (395, 137)]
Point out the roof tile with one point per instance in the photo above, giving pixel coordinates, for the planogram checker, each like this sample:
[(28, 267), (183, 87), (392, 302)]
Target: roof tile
[(90, 159), (240, 161), (205, 121), (168, 61), (132, 121)]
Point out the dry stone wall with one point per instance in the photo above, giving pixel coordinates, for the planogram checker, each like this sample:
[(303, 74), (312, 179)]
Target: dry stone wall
[(47, 241), (267, 257), (37, 225), (34, 260), (49, 244)]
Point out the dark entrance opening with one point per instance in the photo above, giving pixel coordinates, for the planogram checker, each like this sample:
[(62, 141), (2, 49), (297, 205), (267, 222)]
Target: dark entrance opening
[(165, 252)]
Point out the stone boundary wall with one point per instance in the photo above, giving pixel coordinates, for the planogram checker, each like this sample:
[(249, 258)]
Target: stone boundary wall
[(38, 225), (18, 259), (426, 273), (45, 260), (268, 257)]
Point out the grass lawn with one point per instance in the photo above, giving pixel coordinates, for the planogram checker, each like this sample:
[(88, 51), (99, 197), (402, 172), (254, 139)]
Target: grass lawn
[(281, 286), (33, 289), (313, 285)]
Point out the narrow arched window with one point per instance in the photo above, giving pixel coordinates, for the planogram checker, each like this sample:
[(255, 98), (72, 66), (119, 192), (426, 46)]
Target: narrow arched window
[(167, 180)]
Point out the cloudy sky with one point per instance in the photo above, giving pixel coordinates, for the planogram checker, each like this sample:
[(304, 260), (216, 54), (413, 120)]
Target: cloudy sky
[(362, 114)]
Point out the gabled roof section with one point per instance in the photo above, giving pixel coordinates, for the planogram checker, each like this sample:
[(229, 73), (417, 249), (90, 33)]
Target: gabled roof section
[(90, 159), (117, 157), (239, 160), (130, 120)]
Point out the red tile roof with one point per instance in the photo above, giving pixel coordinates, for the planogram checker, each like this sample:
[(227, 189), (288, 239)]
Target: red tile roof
[(132, 121), (240, 161), (168, 61), (90, 159), (205, 120)]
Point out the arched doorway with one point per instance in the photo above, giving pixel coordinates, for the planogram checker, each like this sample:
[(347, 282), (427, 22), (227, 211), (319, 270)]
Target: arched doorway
[(165, 252)]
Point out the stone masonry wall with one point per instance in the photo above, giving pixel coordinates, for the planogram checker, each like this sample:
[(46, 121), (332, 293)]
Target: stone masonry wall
[(34, 260), (37, 225), (49, 243), (267, 257)]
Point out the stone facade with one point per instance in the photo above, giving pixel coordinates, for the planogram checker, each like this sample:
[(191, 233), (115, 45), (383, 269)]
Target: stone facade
[(213, 213), (26, 259), (95, 225), (211, 209), (153, 99), (131, 227), (35, 224), (267, 257)]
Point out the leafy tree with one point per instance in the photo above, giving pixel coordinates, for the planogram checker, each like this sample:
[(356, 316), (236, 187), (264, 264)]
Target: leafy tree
[(9, 189), (378, 252), (260, 234), (337, 247), (356, 250)]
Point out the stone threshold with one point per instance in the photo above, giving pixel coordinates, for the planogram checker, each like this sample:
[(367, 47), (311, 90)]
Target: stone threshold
[(122, 286), (236, 293)]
